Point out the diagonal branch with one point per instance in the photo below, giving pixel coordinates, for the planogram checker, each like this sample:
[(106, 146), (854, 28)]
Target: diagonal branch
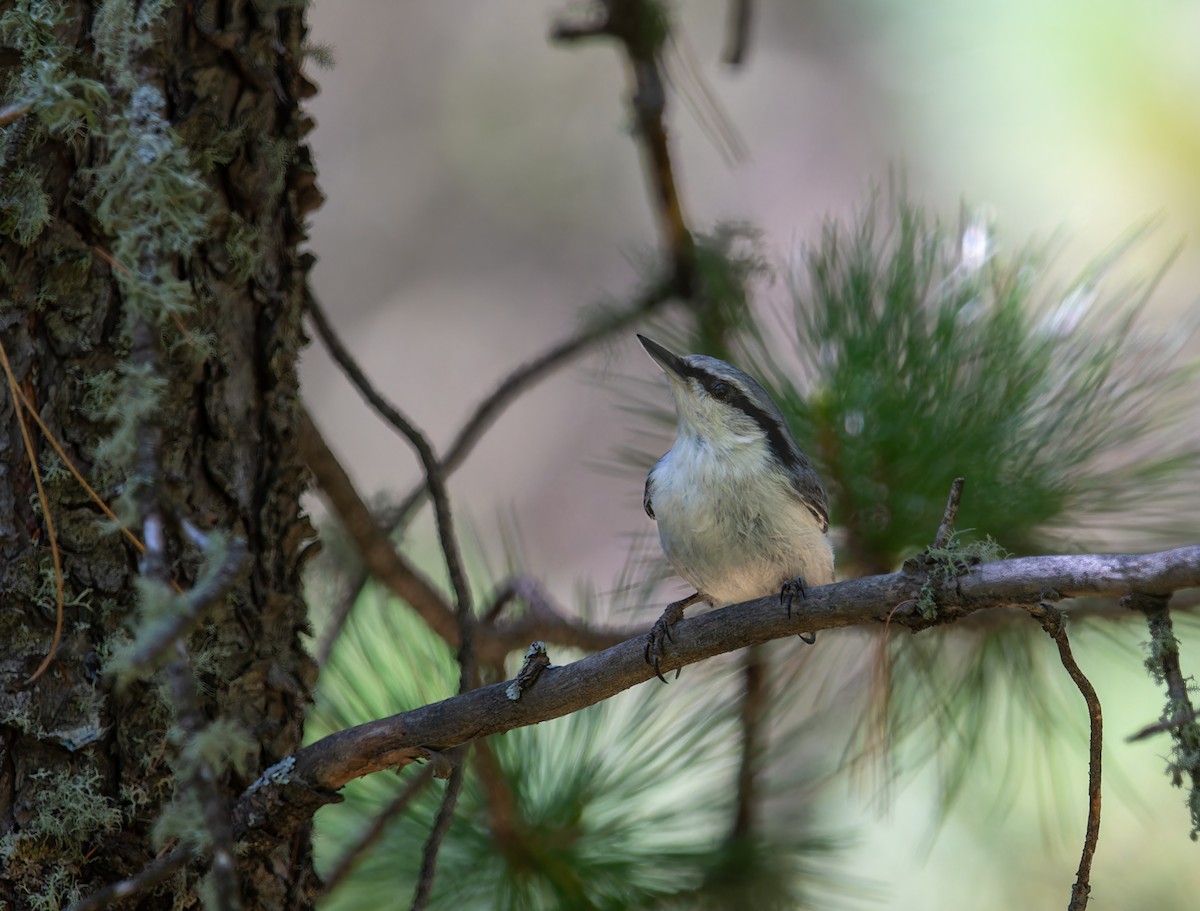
[(319, 769), (434, 479), (493, 640)]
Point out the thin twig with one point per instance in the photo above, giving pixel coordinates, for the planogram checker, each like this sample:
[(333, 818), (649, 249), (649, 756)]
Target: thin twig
[(434, 478), (626, 22), (1052, 622), (1164, 664), (441, 825), (376, 550), (13, 112), (526, 376), (355, 853), (465, 613), (1161, 727), (493, 641), (946, 528), (753, 711), (47, 515), (191, 606), (157, 872), (482, 418)]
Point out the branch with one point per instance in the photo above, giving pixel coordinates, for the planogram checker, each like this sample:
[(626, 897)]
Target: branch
[(528, 375), (318, 770), (638, 26), (1052, 623), (1164, 664), (946, 528), (493, 642), (159, 871), (378, 554), (349, 860), (434, 479)]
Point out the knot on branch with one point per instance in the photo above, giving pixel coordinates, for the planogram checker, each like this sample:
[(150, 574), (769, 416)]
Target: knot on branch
[(536, 661), (1051, 618), (1145, 602)]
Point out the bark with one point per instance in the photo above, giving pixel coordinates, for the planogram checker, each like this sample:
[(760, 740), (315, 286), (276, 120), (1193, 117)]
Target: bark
[(87, 768)]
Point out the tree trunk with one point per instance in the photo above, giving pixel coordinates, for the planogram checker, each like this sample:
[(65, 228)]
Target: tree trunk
[(152, 199)]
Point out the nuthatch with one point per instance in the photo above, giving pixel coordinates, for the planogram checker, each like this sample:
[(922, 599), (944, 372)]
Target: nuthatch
[(741, 511)]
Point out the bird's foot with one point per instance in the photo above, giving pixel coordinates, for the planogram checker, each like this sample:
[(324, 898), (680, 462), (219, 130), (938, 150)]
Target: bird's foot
[(656, 639), (787, 594)]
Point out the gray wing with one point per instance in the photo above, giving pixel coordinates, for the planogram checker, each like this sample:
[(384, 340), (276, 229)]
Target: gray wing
[(646, 504), (807, 485)]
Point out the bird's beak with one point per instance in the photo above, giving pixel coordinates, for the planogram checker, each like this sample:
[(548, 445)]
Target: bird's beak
[(671, 364)]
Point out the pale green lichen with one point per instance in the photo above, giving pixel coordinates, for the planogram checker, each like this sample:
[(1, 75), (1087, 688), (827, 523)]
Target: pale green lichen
[(945, 563), (24, 205), (72, 808)]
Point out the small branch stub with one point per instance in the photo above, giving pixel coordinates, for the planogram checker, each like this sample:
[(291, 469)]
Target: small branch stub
[(946, 529), (536, 661)]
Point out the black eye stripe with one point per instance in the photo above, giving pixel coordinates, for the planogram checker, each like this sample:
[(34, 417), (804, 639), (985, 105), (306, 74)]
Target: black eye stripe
[(778, 438)]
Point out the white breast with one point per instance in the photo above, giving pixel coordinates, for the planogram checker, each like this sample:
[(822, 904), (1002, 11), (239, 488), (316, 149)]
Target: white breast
[(731, 527)]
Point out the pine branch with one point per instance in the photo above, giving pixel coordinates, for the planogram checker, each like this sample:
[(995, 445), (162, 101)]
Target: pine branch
[(317, 771)]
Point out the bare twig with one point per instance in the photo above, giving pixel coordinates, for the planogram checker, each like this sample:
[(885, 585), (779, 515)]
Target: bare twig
[(349, 860), (378, 554), (13, 112), (1052, 622), (482, 418), (159, 871), (1164, 664), (464, 611), (382, 560), (1161, 727), (441, 825), (946, 528), (434, 478), (526, 376), (753, 712), (637, 26)]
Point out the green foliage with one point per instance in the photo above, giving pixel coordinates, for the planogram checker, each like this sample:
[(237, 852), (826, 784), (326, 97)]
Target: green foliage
[(653, 24), (603, 801), (925, 356), (728, 263), (923, 364)]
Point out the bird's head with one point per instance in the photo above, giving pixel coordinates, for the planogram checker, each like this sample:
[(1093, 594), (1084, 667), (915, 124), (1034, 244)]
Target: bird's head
[(718, 403)]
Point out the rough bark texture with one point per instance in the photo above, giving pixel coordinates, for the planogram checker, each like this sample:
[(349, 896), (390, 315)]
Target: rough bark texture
[(85, 770)]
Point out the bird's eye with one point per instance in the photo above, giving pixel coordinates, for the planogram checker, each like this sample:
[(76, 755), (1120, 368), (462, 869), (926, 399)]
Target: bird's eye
[(720, 391)]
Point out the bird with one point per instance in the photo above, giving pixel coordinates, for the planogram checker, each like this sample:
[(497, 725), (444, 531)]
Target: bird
[(741, 510)]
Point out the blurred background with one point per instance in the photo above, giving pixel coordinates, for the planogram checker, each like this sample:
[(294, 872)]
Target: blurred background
[(484, 190)]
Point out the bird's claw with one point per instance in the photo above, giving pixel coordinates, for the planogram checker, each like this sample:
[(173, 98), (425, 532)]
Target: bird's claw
[(660, 634), (787, 594)]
